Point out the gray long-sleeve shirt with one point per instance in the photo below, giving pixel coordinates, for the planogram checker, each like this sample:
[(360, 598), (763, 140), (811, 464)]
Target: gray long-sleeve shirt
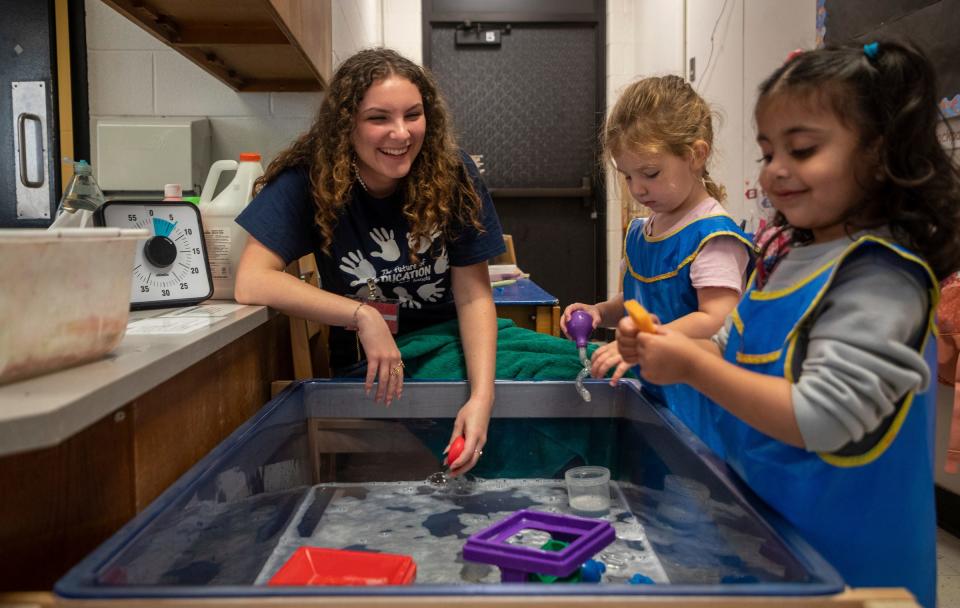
[(859, 356)]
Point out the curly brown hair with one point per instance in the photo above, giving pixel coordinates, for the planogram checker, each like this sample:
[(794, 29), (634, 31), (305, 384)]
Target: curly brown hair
[(439, 194), (661, 113)]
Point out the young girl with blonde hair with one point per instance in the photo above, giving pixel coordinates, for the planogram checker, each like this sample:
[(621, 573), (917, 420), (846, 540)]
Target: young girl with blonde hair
[(686, 261)]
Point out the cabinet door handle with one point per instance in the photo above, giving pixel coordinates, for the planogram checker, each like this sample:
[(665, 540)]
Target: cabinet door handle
[(22, 129)]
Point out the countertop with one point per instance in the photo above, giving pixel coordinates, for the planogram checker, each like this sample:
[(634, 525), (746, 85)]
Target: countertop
[(44, 411)]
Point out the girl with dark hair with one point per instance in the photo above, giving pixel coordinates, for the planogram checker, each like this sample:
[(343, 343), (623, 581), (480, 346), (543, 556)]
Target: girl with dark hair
[(400, 224), (824, 383)]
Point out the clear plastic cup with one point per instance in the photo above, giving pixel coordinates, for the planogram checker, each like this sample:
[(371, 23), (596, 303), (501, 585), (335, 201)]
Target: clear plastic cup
[(588, 489)]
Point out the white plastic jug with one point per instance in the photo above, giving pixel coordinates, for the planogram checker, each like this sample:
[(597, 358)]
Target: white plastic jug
[(225, 239)]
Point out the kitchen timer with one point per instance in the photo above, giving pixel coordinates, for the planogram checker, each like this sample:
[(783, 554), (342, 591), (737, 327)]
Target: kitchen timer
[(170, 267)]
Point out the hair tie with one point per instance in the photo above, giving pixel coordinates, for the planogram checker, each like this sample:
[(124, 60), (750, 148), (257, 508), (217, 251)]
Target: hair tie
[(793, 55), (871, 50)]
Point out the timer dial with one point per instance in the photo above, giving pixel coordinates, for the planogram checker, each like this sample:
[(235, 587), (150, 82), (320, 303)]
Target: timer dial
[(160, 251), (170, 266)]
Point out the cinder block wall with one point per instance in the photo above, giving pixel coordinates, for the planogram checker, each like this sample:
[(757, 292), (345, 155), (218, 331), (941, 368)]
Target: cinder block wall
[(133, 74)]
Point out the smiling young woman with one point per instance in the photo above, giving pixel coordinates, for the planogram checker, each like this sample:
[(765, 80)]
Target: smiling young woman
[(399, 222), (388, 135)]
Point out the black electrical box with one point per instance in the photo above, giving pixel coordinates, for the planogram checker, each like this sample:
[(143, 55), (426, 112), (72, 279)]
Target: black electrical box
[(475, 36)]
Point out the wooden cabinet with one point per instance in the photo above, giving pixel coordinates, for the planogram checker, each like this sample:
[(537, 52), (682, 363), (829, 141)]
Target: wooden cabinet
[(249, 45), (58, 503)]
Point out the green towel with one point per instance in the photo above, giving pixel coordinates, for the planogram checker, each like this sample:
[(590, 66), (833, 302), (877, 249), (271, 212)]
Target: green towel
[(516, 447), (435, 353)]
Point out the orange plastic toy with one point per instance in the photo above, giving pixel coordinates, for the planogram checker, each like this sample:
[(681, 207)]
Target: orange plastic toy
[(318, 566), (640, 316)]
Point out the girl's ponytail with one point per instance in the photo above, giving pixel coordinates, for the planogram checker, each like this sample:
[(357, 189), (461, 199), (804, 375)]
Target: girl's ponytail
[(714, 189), (919, 188), (904, 85)]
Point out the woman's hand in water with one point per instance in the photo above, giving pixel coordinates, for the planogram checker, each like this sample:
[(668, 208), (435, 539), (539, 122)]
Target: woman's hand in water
[(472, 422), (604, 359), (383, 357), (590, 309)]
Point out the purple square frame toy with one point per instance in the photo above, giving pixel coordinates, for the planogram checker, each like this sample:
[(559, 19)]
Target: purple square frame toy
[(585, 536)]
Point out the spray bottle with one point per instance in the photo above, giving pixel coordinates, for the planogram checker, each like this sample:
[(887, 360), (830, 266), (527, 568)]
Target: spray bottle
[(81, 198), (225, 238)]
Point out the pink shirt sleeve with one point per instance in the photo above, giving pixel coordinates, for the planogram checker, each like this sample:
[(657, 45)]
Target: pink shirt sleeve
[(722, 263)]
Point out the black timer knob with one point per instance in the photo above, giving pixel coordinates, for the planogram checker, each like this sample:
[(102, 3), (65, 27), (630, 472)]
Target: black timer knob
[(160, 251)]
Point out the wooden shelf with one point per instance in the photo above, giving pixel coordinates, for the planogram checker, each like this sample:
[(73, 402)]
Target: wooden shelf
[(249, 45)]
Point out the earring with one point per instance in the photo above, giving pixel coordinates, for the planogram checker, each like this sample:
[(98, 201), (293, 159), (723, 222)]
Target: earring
[(356, 172)]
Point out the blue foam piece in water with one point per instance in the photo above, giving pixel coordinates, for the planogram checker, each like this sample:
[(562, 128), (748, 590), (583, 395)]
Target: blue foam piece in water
[(639, 579)]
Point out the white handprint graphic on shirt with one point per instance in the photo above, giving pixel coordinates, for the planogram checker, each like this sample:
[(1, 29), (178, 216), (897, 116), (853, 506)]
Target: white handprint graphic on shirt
[(424, 242), (442, 262), (389, 251), (431, 292), (355, 264), (405, 298)]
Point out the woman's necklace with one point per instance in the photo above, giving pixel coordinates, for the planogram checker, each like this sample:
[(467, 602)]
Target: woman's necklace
[(356, 171)]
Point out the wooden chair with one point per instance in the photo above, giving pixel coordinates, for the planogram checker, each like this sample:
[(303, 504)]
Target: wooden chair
[(544, 319), (308, 339), (509, 256)]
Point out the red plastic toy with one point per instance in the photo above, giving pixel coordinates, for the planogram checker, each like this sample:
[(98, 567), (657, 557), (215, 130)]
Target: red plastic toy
[(456, 448), (318, 566)]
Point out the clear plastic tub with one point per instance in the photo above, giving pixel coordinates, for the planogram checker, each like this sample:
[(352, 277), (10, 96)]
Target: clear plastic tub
[(588, 489), (322, 466), (65, 297)]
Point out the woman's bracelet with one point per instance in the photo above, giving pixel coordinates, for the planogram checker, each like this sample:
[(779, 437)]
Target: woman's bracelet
[(356, 311)]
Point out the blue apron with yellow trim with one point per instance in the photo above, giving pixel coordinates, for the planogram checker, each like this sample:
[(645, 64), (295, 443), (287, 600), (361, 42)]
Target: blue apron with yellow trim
[(657, 274), (868, 508)]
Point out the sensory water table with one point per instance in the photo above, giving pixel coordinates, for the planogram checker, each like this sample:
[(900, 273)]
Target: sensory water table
[(322, 465)]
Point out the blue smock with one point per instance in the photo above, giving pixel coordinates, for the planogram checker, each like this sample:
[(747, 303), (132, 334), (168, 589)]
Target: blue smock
[(657, 274), (868, 508)]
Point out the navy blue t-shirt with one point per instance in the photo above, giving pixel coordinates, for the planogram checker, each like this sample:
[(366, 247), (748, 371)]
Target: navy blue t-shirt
[(371, 241)]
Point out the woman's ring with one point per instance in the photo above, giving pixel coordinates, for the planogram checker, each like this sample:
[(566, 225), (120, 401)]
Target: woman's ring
[(397, 369)]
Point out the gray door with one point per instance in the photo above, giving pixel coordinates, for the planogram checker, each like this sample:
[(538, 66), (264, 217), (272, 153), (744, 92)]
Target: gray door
[(530, 105), (29, 151)]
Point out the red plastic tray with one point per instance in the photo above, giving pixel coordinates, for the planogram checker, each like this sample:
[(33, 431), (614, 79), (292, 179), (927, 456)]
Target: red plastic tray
[(319, 566)]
